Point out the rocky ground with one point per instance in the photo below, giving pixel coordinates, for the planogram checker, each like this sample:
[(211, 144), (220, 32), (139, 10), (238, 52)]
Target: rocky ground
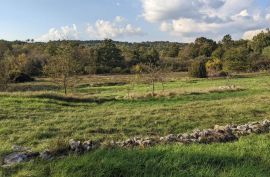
[(219, 134)]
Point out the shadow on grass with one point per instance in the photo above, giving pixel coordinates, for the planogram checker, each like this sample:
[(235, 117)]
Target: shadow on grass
[(151, 162), (74, 99), (32, 87), (185, 98), (194, 96), (106, 84), (250, 75)]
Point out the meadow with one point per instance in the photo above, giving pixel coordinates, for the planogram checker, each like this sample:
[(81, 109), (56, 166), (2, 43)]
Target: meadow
[(37, 114)]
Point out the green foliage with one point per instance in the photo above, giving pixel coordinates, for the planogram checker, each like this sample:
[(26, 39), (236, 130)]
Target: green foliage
[(132, 57), (150, 56), (34, 66), (62, 66), (172, 51), (87, 59), (5, 47), (13, 69), (5, 69), (266, 52), (51, 48), (261, 41), (108, 57), (198, 69), (204, 46), (227, 41), (201, 47), (213, 66), (236, 59), (218, 53), (258, 62), (188, 52)]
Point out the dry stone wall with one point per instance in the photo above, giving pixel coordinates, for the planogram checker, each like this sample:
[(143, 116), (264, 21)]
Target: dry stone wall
[(219, 134)]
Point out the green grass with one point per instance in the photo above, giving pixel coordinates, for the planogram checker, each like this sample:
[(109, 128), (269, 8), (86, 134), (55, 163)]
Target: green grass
[(248, 157), (36, 118)]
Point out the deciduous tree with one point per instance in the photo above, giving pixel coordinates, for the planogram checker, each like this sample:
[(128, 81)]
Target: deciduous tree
[(62, 67)]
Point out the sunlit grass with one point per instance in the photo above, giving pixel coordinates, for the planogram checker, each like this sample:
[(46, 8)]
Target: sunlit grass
[(37, 117)]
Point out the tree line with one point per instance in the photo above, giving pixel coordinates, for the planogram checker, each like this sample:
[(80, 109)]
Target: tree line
[(203, 57)]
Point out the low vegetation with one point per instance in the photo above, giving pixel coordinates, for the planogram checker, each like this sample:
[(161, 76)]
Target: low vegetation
[(38, 114)]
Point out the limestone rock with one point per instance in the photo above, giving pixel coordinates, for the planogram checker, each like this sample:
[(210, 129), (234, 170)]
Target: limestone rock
[(46, 155), (18, 157), (75, 145)]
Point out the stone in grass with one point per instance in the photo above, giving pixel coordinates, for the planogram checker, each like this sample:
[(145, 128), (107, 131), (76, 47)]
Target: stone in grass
[(19, 157), (147, 142), (266, 123), (169, 138), (79, 147), (46, 155), (90, 145), (75, 145)]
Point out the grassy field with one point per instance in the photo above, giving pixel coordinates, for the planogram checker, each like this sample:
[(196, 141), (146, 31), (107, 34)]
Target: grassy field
[(37, 114)]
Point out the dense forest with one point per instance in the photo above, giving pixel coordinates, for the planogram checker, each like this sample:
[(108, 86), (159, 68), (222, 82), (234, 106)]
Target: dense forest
[(204, 57)]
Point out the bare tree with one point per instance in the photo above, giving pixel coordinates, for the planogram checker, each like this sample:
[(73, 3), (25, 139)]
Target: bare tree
[(153, 73), (131, 80), (62, 67)]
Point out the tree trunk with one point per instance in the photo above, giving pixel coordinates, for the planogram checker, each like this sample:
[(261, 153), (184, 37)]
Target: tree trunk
[(153, 88), (128, 90), (65, 85), (6, 85)]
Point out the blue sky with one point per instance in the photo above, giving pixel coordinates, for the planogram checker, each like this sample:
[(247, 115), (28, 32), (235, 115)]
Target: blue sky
[(132, 20)]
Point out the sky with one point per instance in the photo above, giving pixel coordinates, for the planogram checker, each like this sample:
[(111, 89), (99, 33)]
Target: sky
[(132, 20)]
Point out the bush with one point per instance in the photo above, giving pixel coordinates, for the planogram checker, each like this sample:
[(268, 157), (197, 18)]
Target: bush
[(258, 62), (260, 65), (236, 59), (20, 78), (176, 65), (213, 66), (198, 69), (117, 70), (33, 67), (266, 52)]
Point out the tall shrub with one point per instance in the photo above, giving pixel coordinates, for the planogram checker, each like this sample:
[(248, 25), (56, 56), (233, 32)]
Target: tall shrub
[(198, 69)]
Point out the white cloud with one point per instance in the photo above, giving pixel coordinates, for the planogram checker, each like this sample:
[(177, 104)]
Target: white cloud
[(267, 17), (119, 19), (64, 33), (116, 29), (159, 10), (244, 13), (250, 34), (186, 25), (210, 18), (166, 26)]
